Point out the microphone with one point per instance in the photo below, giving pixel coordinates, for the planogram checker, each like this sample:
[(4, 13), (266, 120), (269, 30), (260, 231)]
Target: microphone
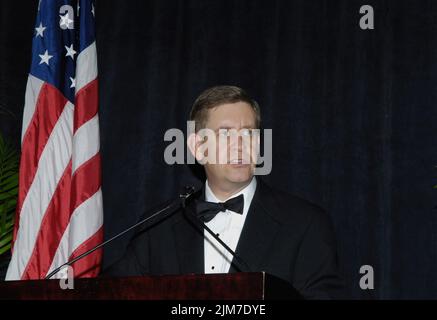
[(239, 263), (180, 202)]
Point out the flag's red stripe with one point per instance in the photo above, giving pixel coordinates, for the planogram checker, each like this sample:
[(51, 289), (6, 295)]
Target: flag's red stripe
[(49, 107), (70, 193), (52, 228), (89, 266), (86, 105), (86, 181)]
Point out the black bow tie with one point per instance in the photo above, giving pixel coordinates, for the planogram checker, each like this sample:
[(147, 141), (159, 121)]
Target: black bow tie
[(206, 211)]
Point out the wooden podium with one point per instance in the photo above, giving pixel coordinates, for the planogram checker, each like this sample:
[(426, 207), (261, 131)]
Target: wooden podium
[(234, 286)]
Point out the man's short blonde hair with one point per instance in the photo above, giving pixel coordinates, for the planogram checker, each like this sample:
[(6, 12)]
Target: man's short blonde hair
[(219, 95)]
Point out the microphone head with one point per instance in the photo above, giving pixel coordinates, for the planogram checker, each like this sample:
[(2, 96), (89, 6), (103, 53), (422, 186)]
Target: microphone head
[(187, 192)]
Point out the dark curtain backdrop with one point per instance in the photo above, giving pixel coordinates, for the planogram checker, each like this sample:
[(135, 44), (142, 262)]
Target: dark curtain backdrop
[(353, 113)]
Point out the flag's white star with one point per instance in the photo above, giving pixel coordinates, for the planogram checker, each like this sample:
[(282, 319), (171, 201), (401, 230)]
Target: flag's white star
[(40, 30), (45, 58), (65, 21), (73, 82), (92, 10), (70, 51)]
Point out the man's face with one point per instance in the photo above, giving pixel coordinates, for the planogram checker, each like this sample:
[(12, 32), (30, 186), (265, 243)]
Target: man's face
[(229, 171)]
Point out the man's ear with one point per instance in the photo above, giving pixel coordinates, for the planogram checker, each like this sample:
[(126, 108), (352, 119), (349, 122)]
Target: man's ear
[(193, 144)]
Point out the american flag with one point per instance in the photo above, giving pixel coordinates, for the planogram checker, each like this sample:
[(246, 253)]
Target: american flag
[(59, 211)]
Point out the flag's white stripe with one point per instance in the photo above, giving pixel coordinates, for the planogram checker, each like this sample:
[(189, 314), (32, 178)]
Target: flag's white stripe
[(86, 220), (86, 142), (86, 70), (33, 89), (51, 166)]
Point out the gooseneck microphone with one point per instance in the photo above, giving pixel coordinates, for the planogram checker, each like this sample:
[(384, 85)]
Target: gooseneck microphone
[(178, 203), (238, 262)]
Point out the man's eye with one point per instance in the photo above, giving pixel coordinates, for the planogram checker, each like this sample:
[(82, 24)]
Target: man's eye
[(223, 133), (246, 132)]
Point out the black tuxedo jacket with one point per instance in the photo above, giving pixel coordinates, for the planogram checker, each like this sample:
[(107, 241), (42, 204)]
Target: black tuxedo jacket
[(283, 235)]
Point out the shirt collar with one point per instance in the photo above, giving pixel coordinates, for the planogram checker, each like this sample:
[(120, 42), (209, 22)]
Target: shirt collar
[(247, 193)]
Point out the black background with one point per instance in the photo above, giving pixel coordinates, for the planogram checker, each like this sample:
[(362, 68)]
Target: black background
[(353, 112)]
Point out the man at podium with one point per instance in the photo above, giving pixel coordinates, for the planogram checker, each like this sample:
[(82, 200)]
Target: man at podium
[(264, 229)]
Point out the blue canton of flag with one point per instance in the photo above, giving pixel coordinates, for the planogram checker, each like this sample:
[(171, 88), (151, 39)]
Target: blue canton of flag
[(63, 29)]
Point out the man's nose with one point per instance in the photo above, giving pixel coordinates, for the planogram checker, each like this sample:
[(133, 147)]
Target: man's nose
[(236, 143)]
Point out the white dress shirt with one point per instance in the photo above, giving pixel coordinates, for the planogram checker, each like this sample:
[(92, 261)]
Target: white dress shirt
[(227, 225)]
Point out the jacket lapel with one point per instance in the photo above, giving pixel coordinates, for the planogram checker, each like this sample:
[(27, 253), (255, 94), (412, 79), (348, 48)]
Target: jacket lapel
[(189, 242), (259, 230)]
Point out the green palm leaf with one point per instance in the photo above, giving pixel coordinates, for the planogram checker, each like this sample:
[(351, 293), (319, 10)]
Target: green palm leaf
[(8, 193)]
